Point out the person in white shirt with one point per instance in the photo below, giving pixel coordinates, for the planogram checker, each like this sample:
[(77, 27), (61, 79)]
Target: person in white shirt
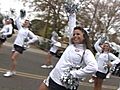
[(23, 39), (76, 62), (55, 44), (105, 60), (119, 86), (5, 31), (116, 50)]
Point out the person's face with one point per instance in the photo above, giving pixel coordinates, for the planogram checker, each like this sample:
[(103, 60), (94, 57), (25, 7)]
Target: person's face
[(7, 22), (26, 23), (106, 47), (77, 37)]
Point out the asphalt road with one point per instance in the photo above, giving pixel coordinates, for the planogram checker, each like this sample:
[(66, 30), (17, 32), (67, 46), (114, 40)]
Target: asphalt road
[(30, 74)]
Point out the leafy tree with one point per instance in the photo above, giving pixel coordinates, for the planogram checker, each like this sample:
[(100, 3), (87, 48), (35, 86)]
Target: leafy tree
[(51, 15), (1, 18), (100, 15)]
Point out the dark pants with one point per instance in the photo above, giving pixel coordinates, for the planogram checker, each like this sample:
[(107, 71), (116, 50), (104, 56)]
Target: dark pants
[(19, 48), (2, 40), (101, 75), (55, 86)]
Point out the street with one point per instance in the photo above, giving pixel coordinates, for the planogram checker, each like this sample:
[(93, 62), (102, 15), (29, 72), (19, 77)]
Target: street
[(30, 74)]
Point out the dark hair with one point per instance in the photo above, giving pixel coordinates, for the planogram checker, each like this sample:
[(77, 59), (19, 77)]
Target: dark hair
[(12, 22), (30, 25), (86, 41), (13, 25), (108, 45)]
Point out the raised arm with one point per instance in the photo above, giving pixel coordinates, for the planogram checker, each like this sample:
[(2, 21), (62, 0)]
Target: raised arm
[(18, 23), (97, 45)]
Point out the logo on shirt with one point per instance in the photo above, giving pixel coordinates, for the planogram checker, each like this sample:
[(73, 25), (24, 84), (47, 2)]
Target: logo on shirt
[(77, 50)]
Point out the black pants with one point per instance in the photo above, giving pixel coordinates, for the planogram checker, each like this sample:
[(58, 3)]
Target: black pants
[(101, 75), (2, 40), (55, 86), (19, 48)]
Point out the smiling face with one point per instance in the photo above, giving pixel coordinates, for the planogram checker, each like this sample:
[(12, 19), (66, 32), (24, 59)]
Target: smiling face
[(26, 24), (106, 47), (78, 37)]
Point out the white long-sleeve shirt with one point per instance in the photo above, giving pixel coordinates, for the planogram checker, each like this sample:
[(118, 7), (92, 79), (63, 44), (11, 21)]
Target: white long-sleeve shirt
[(54, 37), (54, 42), (72, 58), (6, 30), (104, 58), (116, 47), (24, 33)]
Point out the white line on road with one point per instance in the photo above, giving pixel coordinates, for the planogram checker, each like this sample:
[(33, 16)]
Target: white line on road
[(39, 77)]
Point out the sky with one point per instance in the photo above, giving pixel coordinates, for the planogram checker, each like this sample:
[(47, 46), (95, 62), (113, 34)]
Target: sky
[(5, 6)]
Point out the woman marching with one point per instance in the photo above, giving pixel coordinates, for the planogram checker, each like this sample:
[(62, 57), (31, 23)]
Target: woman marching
[(6, 31), (55, 44), (76, 62), (105, 60), (24, 38)]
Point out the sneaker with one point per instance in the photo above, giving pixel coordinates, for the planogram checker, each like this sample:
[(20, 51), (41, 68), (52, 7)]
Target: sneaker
[(50, 66), (14, 72), (83, 79), (47, 66), (91, 80), (8, 74), (108, 75), (44, 66), (118, 88)]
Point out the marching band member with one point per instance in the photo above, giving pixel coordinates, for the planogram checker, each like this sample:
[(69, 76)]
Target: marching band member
[(105, 60), (116, 49), (77, 61), (6, 30), (23, 39), (55, 44), (119, 86)]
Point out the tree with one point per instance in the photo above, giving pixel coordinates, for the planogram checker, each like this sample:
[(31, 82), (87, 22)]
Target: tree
[(100, 15), (1, 18), (51, 13)]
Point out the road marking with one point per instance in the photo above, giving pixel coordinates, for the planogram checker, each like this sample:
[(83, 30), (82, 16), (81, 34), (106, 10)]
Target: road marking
[(28, 75), (103, 86), (115, 77), (39, 77)]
